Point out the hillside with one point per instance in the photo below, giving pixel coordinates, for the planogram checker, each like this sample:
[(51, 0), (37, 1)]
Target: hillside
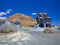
[(23, 19)]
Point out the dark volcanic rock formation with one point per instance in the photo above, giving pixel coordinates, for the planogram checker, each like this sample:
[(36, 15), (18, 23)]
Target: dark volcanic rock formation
[(43, 20)]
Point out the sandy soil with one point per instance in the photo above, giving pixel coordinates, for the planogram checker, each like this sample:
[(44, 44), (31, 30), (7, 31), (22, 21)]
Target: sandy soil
[(30, 38)]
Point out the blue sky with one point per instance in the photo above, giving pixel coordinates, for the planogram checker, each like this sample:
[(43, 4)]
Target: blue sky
[(31, 8)]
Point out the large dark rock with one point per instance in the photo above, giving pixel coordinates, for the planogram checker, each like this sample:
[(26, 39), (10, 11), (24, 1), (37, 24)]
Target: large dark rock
[(43, 19)]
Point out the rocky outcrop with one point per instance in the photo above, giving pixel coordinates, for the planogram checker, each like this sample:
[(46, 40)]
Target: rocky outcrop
[(43, 20)]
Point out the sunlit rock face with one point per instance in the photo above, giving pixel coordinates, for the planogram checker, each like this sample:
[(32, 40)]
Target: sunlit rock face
[(43, 20)]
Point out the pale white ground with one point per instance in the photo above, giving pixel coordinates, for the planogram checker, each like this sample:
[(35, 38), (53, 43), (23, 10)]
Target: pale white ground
[(30, 38)]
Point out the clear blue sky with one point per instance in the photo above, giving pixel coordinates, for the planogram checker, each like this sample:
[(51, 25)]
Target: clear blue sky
[(52, 7)]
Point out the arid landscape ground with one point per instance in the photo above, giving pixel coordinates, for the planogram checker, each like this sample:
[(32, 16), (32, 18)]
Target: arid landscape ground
[(30, 38)]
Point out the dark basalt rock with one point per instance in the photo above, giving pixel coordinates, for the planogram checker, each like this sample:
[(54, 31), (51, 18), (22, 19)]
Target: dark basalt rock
[(43, 20)]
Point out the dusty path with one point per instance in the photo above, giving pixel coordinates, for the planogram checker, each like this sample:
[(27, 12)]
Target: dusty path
[(30, 38)]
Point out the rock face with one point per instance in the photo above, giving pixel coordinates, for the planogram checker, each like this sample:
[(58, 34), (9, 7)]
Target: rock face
[(43, 20), (23, 19)]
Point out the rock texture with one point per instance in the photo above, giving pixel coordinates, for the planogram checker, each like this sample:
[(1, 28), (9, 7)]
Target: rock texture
[(43, 20)]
